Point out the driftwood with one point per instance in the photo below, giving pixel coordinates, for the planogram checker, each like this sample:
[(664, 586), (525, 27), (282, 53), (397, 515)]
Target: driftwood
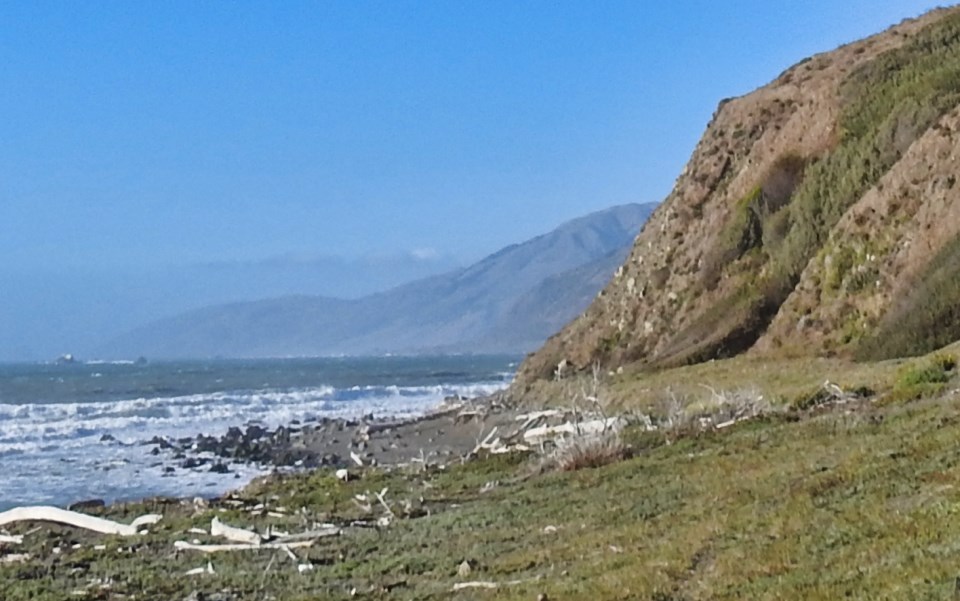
[(11, 540), (15, 558), (289, 553), (485, 443), (181, 545), (77, 520), (381, 497), (311, 535), (237, 535), (361, 502), (478, 584), (245, 540), (502, 449), (490, 585), (208, 569), (530, 417), (731, 422), (595, 426)]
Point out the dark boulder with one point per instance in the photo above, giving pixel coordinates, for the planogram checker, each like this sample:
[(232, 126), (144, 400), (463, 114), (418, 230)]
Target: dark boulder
[(254, 432), (88, 504), (219, 468), (194, 462)]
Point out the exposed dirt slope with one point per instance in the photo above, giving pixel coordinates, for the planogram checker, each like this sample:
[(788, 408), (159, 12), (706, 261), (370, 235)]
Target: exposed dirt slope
[(808, 210), (878, 254)]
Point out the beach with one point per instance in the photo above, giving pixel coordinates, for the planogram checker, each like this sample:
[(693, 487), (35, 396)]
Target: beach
[(83, 431)]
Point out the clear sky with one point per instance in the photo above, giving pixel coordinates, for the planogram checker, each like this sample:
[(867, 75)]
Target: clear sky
[(178, 132)]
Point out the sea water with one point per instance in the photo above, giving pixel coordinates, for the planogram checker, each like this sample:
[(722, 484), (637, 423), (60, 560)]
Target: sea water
[(76, 431)]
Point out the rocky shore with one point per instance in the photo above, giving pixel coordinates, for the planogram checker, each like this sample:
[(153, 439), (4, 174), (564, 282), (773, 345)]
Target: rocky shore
[(436, 438), (706, 503)]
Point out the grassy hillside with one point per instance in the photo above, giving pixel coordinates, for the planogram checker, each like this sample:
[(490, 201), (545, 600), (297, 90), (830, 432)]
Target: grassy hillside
[(812, 500)]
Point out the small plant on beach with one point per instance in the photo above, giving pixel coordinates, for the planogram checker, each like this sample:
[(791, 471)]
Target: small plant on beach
[(829, 394), (595, 439), (585, 451), (721, 408), (922, 379), (937, 370)]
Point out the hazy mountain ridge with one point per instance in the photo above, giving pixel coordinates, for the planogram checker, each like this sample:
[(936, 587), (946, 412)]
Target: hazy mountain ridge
[(818, 215), (73, 309), (461, 311)]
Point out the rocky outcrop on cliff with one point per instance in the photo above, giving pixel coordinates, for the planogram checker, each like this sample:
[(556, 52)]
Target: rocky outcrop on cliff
[(815, 216)]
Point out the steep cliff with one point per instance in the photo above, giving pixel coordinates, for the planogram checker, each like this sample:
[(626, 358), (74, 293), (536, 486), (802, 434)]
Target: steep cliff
[(818, 215)]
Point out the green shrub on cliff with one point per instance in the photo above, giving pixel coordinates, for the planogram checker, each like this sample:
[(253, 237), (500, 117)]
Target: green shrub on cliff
[(926, 319), (888, 103), (891, 101)]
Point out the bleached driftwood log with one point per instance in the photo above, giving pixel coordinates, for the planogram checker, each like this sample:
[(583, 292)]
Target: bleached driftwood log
[(237, 535), (207, 569), (525, 417), (245, 540), (185, 546), (15, 558), (479, 584), (502, 449), (310, 535), (11, 540), (77, 520), (381, 496), (595, 426), (491, 585), (485, 443)]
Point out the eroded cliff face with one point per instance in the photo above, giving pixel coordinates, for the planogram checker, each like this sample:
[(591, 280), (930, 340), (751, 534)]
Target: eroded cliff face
[(858, 290), (807, 210)]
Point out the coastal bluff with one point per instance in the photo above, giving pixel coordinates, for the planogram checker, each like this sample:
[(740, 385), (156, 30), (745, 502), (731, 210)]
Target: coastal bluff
[(818, 216)]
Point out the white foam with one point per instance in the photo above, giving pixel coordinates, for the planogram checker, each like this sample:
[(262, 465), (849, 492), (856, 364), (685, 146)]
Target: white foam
[(105, 362), (53, 453)]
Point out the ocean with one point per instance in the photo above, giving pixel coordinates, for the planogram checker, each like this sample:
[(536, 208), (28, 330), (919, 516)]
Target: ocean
[(75, 431)]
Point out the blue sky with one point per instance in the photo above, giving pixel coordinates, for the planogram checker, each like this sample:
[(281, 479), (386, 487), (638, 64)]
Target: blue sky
[(168, 133)]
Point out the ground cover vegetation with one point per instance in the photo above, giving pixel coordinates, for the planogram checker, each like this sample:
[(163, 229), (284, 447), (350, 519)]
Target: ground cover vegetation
[(849, 495)]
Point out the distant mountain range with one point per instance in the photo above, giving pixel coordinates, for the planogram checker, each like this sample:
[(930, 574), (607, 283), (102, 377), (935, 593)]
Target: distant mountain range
[(509, 302)]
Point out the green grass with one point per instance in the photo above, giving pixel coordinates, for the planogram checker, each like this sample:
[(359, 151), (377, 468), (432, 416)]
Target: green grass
[(859, 505), (856, 501), (892, 100), (928, 317), (936, 370), (924, 378)]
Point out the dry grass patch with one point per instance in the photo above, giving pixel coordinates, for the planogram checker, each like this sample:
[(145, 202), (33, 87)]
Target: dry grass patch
[(584, 451)]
